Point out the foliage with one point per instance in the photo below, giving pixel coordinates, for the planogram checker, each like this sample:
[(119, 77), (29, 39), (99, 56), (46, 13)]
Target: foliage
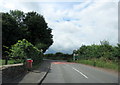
[(104, 50), (32, 26), (18, 16), (12, 61), (17, 25), (38, 30), (10, 31), (58, 56), (24, 49)]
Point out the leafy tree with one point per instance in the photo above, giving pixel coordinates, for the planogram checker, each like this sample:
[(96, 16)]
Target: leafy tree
[(38, 30), (17, 25), (106, 51), (58, 55), (24, 49), (19, 16), (10, 32), (116, 52), (82, 51), (103, 51)]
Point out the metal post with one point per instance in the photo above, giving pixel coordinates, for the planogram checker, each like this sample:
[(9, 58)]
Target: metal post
[(74, 54), (73, 57)]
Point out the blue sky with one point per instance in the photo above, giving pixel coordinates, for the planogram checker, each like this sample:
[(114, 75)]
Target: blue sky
[(74, 23)]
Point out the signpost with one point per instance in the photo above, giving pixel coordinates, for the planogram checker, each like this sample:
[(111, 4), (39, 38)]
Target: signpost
[(75, 55)]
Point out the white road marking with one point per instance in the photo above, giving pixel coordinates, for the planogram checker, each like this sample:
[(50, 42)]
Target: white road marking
[(80, 73)]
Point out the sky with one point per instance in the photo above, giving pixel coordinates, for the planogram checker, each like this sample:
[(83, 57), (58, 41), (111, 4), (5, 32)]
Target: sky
[(73, 22)]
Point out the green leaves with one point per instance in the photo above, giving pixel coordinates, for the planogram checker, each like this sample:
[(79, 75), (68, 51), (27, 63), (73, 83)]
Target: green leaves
[(9, 30), (104, 50), (39, 33), (24, 49), (17, 25), (32, 26)]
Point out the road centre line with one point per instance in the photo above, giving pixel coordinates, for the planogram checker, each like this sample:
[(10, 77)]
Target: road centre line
[(80, 73)]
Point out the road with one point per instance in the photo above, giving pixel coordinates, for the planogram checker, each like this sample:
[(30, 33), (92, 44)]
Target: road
[(64, 72)]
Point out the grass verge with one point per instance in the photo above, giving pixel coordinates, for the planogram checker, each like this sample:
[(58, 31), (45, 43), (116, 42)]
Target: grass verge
[(100, 63), (2, 62)]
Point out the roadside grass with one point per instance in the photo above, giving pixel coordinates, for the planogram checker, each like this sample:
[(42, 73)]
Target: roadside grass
[(100, 63), (2, 62)]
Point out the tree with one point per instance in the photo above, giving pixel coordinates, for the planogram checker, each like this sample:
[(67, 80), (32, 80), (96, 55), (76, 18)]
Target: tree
[(19, 16), (24, 49), (82, 51), (10, 31), (38, 30), (116, 52), (31, 26), (17, 25), (106, 50), (103, 51)]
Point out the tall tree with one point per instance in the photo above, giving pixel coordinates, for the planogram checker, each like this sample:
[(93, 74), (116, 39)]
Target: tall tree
[(10, 30), (19, 16), (38, 29), (10, 34), (30, 26)]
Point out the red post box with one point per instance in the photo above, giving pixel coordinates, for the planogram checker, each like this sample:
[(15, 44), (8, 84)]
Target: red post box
[(29, 63)]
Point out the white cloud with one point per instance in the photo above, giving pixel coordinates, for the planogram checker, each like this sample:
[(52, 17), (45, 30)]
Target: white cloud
[(95, 23), (75, 24)]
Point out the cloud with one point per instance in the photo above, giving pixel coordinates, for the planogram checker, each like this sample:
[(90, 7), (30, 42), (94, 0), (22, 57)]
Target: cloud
[(83, 22), (94, 23)]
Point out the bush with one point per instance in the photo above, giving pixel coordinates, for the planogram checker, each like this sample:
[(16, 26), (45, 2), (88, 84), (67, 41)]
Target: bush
[(69, 60), (23, 50)]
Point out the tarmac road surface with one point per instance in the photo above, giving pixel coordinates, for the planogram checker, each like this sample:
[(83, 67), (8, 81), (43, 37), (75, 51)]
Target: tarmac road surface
[(66, 72)]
